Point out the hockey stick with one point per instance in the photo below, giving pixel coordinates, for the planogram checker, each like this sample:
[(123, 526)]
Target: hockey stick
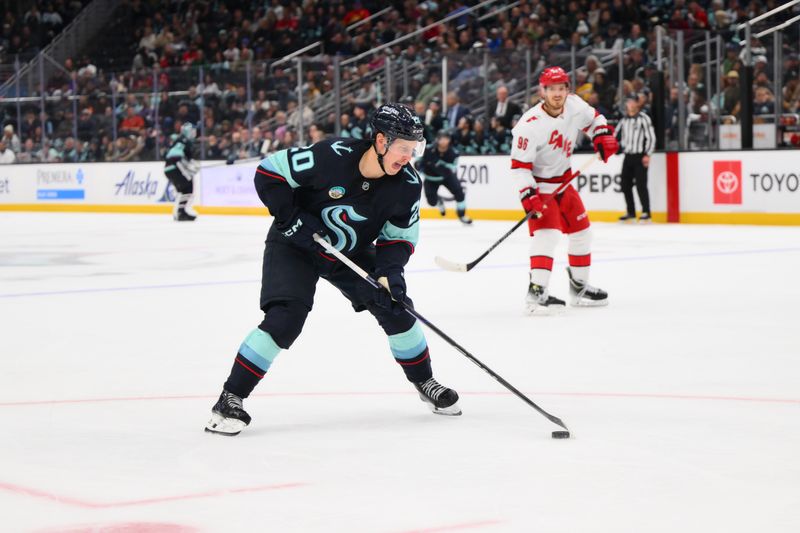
[(452, 266), (363, 274)]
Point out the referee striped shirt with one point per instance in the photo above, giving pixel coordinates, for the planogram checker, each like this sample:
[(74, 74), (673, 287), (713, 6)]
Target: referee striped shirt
[(636, 134)]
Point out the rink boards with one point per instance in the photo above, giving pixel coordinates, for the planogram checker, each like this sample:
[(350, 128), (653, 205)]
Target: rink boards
[(742, 187)]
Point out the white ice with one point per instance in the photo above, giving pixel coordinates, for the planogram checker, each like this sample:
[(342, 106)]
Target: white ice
[(683, 395)]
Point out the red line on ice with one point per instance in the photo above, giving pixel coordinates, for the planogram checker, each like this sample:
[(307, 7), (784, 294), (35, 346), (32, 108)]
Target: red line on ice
[(86, 504)]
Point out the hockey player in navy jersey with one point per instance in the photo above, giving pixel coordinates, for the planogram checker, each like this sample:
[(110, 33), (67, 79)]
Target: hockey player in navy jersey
[(180, 169), (363, 196), (440, 166)]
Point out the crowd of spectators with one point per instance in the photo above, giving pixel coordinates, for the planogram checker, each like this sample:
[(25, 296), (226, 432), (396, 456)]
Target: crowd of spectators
[(146, 80), (24, 33)]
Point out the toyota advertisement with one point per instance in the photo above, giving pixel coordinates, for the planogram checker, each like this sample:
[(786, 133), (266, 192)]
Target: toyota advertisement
[(740, 182)]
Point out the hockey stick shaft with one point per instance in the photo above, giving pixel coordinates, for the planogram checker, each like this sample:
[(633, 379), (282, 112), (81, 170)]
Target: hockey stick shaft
[(469, 266), (410, 310)]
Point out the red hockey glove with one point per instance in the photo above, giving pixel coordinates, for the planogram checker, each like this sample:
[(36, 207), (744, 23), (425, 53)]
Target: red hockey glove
[(531, 201), (604, 142)]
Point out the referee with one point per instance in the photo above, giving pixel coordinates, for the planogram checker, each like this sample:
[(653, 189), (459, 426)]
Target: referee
[(638, 139)]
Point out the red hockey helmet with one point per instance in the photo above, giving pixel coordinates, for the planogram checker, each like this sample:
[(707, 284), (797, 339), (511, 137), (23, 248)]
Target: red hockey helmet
[(553, 75)]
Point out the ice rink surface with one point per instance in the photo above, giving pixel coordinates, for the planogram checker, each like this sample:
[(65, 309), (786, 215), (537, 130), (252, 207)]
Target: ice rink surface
[(683, 395)]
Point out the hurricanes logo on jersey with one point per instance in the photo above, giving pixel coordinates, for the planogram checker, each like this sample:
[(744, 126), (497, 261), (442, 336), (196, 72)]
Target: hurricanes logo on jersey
[(336, 218), (558, 142)]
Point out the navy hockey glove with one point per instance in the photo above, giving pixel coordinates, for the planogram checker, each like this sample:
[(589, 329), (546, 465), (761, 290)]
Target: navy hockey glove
[(396, 283), (300, 229)]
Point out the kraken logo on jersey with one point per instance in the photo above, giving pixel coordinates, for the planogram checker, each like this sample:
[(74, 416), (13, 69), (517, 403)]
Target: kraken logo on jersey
[(337, 146), (414, 179), (336, 218)]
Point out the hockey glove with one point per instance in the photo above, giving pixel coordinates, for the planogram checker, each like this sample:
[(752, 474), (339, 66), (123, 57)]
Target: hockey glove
[(300, 228), (392, 278), (604, 142), (531, 201)]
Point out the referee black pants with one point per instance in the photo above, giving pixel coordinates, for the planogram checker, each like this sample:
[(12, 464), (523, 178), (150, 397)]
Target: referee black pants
[(634, 172)]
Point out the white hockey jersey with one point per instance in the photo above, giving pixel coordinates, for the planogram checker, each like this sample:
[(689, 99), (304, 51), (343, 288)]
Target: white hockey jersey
[(542, 145)]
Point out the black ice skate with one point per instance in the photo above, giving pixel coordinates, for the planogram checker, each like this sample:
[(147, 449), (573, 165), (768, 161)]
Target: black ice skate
[(465, 220), (440, 399), (183, 211), (539, 301), (440, 207), (228, 417), (584, 295), (182, 215), (626, 219), (645, 218)]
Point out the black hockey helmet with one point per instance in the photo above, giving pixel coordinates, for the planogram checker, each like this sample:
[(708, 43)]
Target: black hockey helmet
[(397, 121)]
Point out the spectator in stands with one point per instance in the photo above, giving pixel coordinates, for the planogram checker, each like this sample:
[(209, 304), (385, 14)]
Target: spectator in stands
[(455, 110), (432, 88), (87, 127), (505, 109), (7, 156), (10, 138), (791, 96), (635, 39), (315, 133), (583, 87), (730, 95), (764, 103), (464, 137), (48, 154), (28, 154), (433, 116), (132, 123), (69, 152), (606, 91)]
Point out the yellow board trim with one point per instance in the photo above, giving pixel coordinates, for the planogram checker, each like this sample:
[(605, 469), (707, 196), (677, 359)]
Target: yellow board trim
[(766, 219), (516, 214), (140, 209), (758, 219)]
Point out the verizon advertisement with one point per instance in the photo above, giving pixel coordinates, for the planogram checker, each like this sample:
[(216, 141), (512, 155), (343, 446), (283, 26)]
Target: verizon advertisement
[(739, 182)]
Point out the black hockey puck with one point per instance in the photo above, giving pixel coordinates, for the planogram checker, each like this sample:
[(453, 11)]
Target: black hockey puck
[(561, 434)]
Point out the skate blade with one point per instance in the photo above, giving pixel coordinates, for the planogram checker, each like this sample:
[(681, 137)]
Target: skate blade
[(224, 426), (589, 303), (541, 310), (453, 410)]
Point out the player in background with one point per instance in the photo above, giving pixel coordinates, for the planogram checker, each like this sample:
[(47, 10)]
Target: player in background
[(180, 169), (543, 141), (440, 165), (364, 196)]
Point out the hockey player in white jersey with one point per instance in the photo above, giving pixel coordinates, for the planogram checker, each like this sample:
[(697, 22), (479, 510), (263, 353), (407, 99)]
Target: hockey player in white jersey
[(542, 145)]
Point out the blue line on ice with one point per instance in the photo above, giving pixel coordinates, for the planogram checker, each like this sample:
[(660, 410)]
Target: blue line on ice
[(414, 270)]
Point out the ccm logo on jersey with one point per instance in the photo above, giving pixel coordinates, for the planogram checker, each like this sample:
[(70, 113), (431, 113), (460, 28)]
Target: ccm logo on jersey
[(557, 140)]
